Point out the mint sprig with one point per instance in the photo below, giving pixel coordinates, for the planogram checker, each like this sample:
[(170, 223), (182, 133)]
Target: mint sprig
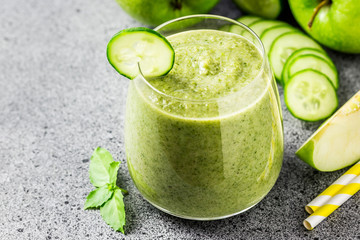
[(107, 196)]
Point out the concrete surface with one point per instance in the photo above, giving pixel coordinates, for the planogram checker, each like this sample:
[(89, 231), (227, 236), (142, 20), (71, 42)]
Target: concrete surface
[(60, 99)]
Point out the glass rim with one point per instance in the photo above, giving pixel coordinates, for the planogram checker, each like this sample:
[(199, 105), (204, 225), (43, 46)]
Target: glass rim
[(216, 17)]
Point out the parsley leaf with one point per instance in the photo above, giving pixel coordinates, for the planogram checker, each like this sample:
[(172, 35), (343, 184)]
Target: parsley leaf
[(113, 211), (100, 167), (98, 197)]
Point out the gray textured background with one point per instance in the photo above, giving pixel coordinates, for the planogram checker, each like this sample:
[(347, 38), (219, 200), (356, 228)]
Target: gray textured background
[(60, 99)]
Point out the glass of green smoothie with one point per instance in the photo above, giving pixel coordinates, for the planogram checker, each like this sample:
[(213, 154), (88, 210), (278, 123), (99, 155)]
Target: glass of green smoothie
[(205, 141)]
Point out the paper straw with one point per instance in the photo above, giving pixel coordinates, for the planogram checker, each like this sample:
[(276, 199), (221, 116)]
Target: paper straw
[(323, 197), (336, 201)]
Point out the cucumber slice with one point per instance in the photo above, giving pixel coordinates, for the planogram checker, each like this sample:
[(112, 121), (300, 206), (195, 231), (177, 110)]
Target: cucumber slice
[(310, 96), (305, 51), (249, 19), (335, 144), (225, 28), (285, 45), (260, 26), (269, 35), (144, 47), (310, 61), (313, 51), (236, 29)]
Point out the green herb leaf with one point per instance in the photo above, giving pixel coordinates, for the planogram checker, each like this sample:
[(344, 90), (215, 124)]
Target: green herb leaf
[(113, 211), (103, 174), (113, 170), (98, 197), (99, 169)]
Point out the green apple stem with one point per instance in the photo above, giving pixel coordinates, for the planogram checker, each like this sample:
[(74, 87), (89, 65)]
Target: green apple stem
[(176, 4), (316, 10)]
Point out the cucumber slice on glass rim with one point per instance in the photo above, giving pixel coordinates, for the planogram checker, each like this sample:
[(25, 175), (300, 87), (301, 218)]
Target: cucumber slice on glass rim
[(133, 49), (310, 96)]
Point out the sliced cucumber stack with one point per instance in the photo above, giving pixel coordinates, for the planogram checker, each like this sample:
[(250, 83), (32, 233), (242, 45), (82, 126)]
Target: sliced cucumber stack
[(316, 60), (310, 96), (300, 64), (143, 48)]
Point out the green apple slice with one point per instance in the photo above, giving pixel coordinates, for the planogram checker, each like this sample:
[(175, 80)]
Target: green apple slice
[(140, 47), (336, 144)]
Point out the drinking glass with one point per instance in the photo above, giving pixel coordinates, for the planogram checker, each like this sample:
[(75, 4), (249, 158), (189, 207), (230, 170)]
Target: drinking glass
[(205, 159)]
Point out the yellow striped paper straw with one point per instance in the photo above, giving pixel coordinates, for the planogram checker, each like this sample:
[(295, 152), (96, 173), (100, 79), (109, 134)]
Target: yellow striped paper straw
[(323, 197), (336, 201)]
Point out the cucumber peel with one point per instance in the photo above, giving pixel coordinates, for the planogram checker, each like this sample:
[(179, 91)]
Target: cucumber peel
[(133, 49)]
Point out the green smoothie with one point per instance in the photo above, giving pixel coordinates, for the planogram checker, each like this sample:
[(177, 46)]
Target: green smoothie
[(205, 141)]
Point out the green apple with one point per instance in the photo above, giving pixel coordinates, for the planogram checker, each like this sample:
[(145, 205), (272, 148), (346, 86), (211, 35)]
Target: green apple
[(336, 144), (269, 9), (155, 12), (333, 23)]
